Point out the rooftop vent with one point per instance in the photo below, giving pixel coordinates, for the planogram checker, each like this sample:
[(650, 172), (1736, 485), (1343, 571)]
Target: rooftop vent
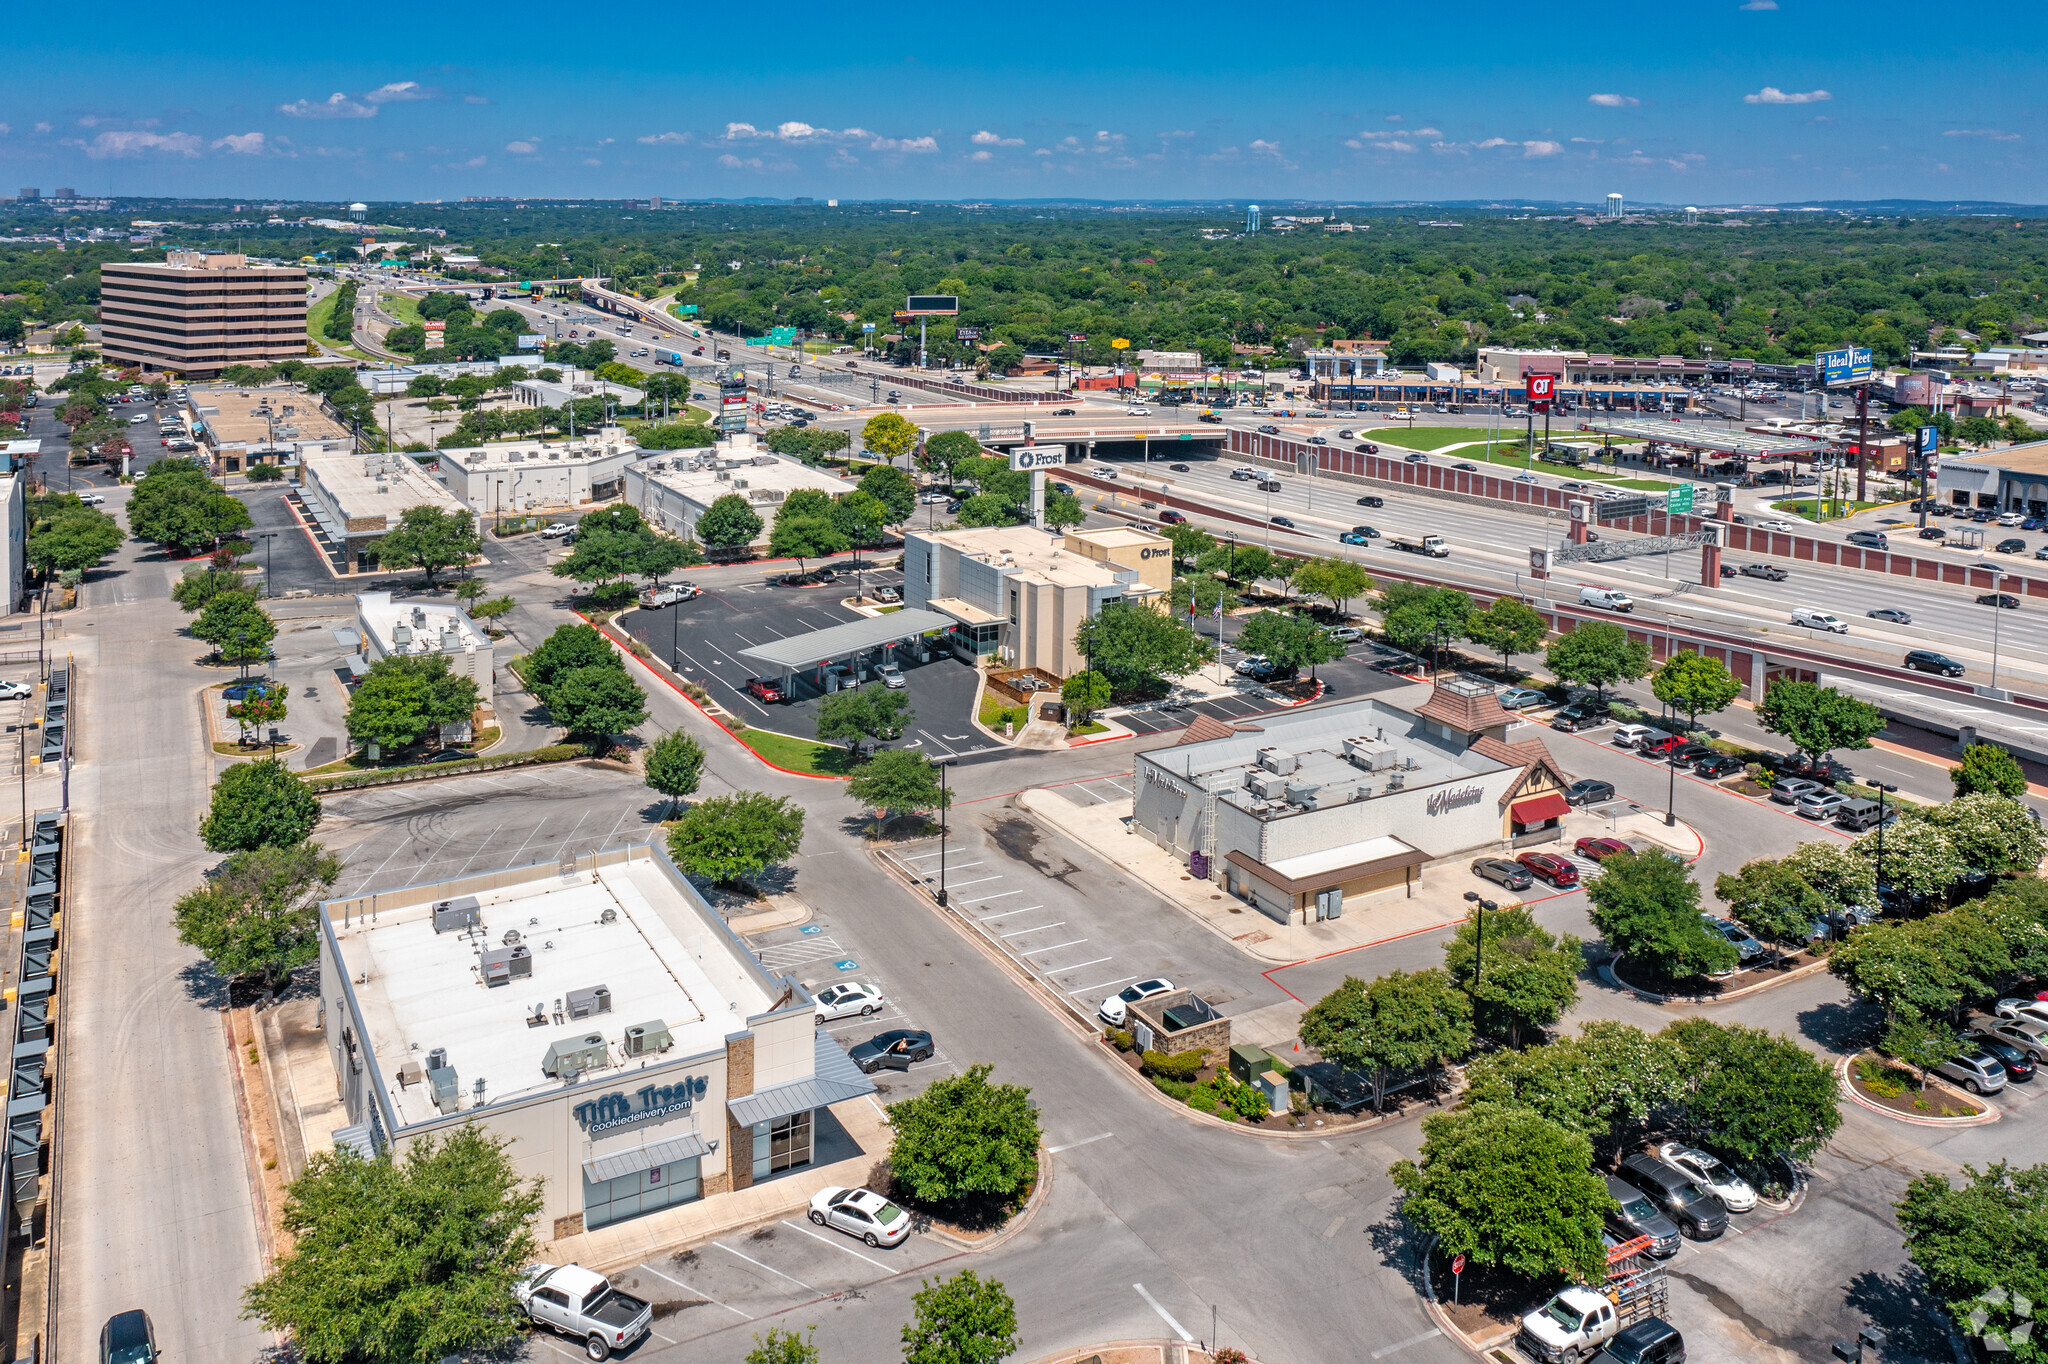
[(501, 964), (1373, 755), (1303, 794), (401, 635), (419, 617), (447, 1092)]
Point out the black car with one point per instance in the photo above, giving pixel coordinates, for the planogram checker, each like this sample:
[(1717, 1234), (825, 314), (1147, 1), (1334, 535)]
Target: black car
[(1933, 533), (1768, 572), (1719, 765), (1699, 1212), (1366, 447), (1928, 661), (1469, 468), (1650, 1341), (1689, 755), (2004, 601), (1371, 501), (1509, 874), (2012, 546), (892, 1050), (1589, 790), (451, 755), (1367, 532), (1892, 614), (1571, 720), (2018, 1065), (1063, 412), (128, 1338), (1178, 468), (1283, 521)]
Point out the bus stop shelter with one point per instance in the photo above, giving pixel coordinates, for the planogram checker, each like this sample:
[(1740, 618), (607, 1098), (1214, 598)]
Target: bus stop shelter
[(848, 645)]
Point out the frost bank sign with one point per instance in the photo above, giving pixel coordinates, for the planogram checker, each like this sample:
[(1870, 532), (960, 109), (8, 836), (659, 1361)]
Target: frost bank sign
[(645, 1104)]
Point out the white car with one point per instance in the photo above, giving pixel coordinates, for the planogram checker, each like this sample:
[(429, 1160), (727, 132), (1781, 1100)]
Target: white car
[(1250, 662), (890, 675), (846, 1000), (860, 1212), (138, 419), (557, 530), (935, 499), (1116, 1008), (2025, 1010), (1137, 410), (1785, 526), (14, 691), (92, 499), (1711, 1175)]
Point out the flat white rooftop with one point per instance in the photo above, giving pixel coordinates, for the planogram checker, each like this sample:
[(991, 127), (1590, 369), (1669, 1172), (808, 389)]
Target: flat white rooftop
[(624, 927)]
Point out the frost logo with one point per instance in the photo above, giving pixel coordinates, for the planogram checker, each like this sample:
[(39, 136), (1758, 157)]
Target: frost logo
[(2003, 1321)]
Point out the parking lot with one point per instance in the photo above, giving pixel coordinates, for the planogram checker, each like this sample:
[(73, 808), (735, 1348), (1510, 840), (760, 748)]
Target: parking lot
[(1366, 669), (704, 636)]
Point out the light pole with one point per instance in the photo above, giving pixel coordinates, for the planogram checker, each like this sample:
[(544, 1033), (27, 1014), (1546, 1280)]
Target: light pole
[(945, 799), (1997, 613), (1881, 788), (266, 536)]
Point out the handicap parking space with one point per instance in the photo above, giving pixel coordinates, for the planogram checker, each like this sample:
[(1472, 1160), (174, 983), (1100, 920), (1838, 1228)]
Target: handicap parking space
[(820, 954)]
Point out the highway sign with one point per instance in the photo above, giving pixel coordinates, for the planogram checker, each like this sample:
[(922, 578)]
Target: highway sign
[(1678, 502), (1621, 508), (1850, 366), (688, 309)]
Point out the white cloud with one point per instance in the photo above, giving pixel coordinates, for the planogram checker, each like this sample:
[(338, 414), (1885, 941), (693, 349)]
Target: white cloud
[(731, 162), (664, 139), (982, 156), (246, 144), (136, 143), (90, 121), (42, 127), (903, 144), (336, 105), (473, 163), (475, 99), (1760, 4), (1394, 145), (1264, 148), (1429, 132), (398, 92), (1591, 141), (5, 129), (985, 138), (592, 161), (1395, 118), (1995, 134), (1493, 142), (1614, 101), (1542, 148), (526, 146), (1771, 94), (1043, 151), (1178, 132)]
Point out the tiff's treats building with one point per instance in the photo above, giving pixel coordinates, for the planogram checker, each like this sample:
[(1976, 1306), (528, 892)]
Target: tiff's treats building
[(598, 1015)]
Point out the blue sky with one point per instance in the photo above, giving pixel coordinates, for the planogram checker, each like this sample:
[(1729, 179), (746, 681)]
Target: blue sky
[(1700, 101)]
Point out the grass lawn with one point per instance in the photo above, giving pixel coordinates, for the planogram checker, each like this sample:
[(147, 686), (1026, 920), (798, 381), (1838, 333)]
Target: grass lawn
[(798, 755), (1423, 437), (994, 710), (401, 306), (317, 315), (1830, 509), (1647, 485)]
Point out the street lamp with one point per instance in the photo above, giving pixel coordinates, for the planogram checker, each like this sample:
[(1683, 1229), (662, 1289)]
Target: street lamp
[(1881, 788), (266, 536), (1997, 614), (945, 799)]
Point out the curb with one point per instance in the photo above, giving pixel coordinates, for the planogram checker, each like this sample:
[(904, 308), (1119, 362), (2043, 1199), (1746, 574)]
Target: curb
[(1040, 1193), (1443, 1318), (1608, 974), (1085, 1353), (1992, 1112)]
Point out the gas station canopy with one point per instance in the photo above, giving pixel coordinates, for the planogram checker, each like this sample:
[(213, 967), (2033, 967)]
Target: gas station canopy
[(856, 637), (1686, 436)]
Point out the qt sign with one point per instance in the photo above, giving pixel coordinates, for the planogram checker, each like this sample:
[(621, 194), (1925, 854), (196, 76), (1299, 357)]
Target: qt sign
[(1026, 458), (1542, 390)]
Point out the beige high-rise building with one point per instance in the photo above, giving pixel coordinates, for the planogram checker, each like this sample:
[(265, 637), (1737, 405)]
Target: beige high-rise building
[(198, 313)]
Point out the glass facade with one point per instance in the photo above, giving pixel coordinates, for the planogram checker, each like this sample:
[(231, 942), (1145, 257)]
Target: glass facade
[(614, 1200), (781, 1145)]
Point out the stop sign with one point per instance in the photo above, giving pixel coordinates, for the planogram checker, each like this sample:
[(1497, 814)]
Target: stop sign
[(1458, 1265)]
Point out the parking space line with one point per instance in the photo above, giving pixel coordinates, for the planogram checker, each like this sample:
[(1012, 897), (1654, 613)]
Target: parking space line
[(1056, 923), (1071, 942), (980, 899), (1075, 966), (976, 881), (793, 1226), (1091, 795), (698, 1291), (1164, 1315), (1004, 913), (1102, 985), (1068, 1146), (770, 1268)]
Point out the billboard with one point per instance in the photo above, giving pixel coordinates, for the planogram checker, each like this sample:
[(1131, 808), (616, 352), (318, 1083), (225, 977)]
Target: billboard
[(1028, 457), (1915, 390), (531, 341), (1849, 366), (1927, 441), (932, 305), (967, 333), (1541, 389)]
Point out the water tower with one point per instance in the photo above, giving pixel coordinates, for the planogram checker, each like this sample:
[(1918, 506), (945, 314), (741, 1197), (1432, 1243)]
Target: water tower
[(1614, 205), (357, 211), (1692, 215), (1251, 219)]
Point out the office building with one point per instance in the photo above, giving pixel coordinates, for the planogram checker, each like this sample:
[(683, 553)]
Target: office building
[(197, 313), (354, 499), (673, 490), (1020, 594), (598, 1016), (536, 476), (13, 535), (1300, 814)]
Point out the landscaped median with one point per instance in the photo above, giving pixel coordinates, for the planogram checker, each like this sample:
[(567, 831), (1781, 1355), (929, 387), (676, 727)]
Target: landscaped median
[(387, 776)]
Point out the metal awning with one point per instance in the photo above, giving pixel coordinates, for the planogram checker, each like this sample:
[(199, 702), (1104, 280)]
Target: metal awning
[(1691, 436), (834, 1079), (618, 1164), (844, 641)]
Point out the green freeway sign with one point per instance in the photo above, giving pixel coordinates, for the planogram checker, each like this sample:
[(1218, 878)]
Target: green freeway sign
[(1678, 502)]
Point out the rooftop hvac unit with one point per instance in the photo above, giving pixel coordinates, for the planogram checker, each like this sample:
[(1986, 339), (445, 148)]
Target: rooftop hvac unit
[(419, 618), (1303, 794), (724, 477), (1277, 760), (451, 640), (648, 1039), (502, 964), (595, 1000), (1266, 785), (401, 635), (447, 1093), (1373, 755), (739, 483), (571, 1056), (437, 1058), (453, 915)]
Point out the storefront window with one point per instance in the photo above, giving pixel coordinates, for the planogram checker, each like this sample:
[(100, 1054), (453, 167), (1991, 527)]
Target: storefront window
[(614, 1200), (782, 1145)]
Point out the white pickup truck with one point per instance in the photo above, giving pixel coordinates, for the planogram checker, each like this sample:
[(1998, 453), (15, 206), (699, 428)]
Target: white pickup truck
[(1574, 1325), (580, 1302)]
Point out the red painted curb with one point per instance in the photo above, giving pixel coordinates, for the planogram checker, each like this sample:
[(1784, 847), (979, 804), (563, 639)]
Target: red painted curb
[(1105, 739)]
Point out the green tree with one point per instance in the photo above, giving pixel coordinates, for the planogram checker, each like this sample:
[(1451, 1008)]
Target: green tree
[(239, 630), (1289, 641), (1204, 592), (1922, 968), (888, 434), (802, 535), (1335, 580), (1817, 720), (675, 764), (1132, 644), (256, 915), (733, 839), (489, 611), (196, 589), (429, 539), (871, 712), (1647, 906), (612, 544), (1989, 768), (1508, 626), (1698, 686), (1528, 977), (402, 1260), (73, 539), (729, 523), (989, 509), (176, 505), (1603, 1083), (257, 709), (961, 1320), (1753, 1095), (1240, 563), (1920, 858), (1404, 1021), (783, 1347), (964, 1138), (860, 518), (1506, 1187), (1063, 510), (1978, 1244), (258, 805), (1419, 619), (597, 704), (1597, 655), (1773, 900), (569, 648), (1083, 694), (898, 781), (894, 489), (948, 452), (1988, 833), (403, 697), (1921, 1045), (1190, 543)]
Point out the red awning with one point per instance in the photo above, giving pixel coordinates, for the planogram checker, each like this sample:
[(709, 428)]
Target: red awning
[(1538, 809)]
